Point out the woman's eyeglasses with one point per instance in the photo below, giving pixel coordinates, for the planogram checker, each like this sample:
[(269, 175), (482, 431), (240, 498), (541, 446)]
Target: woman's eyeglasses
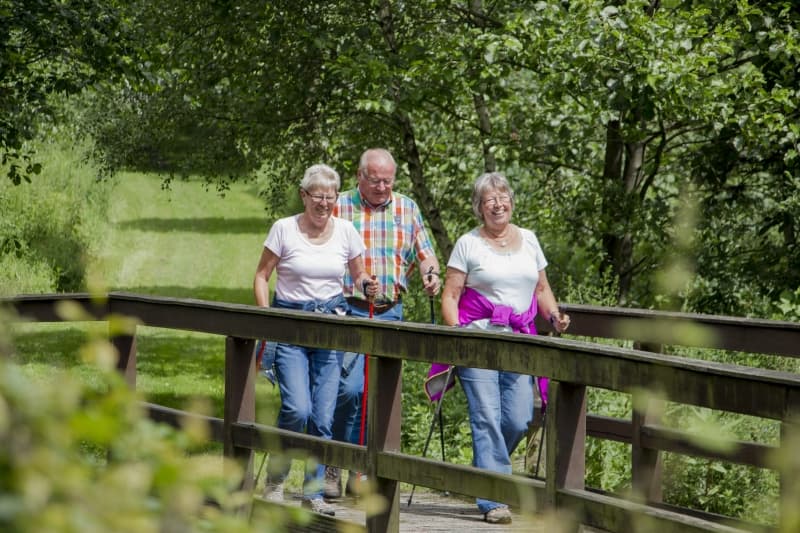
[(496, 200), (319, 198)]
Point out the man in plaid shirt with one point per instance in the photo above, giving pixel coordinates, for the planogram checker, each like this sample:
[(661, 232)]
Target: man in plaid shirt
[(396, 240)]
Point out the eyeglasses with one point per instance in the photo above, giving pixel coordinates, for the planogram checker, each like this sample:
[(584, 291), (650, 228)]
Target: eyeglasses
[(319, 198), (496, 200), (376, 182)]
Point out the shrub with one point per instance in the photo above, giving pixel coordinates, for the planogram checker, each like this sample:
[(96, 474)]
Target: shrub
[(51, 226), (80, 458)]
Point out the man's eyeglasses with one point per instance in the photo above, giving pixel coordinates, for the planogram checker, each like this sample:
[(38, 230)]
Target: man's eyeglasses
[(377, 182), (497, 200), (319, 198)]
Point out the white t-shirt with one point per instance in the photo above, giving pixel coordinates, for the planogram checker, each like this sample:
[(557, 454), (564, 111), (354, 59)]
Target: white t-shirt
[(504, 278), (309, 271)]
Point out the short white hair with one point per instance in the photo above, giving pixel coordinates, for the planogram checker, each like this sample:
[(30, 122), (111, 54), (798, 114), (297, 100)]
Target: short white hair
[(320, 176)]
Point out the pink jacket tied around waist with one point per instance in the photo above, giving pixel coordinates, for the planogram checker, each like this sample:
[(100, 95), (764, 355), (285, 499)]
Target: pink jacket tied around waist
[(474, 306)]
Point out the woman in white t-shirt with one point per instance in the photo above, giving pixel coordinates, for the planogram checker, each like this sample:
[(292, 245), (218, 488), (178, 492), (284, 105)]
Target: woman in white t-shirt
[(496, 281), (310, 252)]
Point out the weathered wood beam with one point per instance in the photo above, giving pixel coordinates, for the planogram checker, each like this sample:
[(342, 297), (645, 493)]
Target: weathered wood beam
[(615, 514), (525, 493), (239, 402), (300, 445), (685, 329), (757, 392)]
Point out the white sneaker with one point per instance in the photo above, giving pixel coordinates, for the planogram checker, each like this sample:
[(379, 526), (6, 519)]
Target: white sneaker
[(273, 492), (318, 505)]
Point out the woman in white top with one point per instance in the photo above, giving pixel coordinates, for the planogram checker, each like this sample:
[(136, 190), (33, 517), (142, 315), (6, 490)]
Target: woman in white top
[(310, 252), (496, 281)]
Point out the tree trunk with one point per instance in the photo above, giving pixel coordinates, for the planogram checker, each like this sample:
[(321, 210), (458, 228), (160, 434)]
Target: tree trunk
[(419, 187), (622, 173), (481, 109), (485, 128)]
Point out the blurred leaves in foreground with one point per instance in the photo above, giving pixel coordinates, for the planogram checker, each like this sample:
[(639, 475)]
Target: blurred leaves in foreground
[(79, 459)]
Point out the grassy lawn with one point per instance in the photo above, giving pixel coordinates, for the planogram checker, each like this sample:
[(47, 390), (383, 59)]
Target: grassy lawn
[(183, 242)]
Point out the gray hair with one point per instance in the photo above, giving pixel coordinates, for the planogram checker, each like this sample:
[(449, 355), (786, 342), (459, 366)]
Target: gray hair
[(375, 153), (489, 180), (320, 176)]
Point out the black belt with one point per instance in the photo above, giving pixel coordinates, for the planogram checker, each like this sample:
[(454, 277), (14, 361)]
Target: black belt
[(379, 307)]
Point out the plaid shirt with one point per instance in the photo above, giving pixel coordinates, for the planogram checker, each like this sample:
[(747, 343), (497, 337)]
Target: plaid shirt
[(394, 236)]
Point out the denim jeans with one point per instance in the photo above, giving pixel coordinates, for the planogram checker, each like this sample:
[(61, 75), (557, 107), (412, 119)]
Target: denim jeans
[(347, 418), (308, 379), (500, 407)]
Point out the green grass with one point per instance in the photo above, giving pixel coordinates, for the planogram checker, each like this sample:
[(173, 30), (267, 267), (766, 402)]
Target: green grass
[(182, 242)]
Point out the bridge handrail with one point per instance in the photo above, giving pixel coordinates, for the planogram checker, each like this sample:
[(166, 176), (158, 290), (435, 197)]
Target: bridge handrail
[(571, 364)]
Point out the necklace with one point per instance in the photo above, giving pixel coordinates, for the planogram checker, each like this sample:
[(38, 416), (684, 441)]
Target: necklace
[(496, 239)]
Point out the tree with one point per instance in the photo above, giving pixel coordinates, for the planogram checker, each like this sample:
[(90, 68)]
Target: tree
[(605, 114), (639, 89), (49, 49)]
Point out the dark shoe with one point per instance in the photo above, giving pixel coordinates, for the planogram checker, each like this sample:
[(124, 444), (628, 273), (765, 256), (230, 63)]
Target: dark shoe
[(498, 515), (333, 483), (318, 505)]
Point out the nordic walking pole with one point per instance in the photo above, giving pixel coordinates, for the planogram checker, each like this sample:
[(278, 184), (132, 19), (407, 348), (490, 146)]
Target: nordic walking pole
[(365, 389), (438, 413), (433, 423), (541, 443), (441, 417), (441, 423)]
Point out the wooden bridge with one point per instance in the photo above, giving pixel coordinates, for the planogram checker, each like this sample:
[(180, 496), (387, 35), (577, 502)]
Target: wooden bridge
[(572, 366)]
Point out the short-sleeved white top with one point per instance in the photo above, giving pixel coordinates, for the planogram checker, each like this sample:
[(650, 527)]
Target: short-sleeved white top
[(504, 278), (309, 271)]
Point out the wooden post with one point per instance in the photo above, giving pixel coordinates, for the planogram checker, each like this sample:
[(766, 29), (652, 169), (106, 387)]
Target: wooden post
[(126, 364), (383, 434), (566, 439), (646, 463), (240, 404), (789, 472)]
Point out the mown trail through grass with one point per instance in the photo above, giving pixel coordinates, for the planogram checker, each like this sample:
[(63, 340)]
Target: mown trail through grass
[(184, 241), (189, 242)]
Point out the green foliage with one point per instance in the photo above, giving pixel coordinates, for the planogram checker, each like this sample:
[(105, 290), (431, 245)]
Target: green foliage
[(717, 487), (608, 464), (788, 306), (51, 48), (52, 227), (601, 115), (714, 486), (76, 458)]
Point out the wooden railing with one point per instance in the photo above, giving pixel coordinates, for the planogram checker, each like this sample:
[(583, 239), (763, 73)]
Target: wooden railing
[(572, 366)]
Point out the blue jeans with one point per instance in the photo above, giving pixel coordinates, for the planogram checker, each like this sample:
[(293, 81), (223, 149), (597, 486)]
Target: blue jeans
[(500, 407), (347, 417), (308, 379)]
